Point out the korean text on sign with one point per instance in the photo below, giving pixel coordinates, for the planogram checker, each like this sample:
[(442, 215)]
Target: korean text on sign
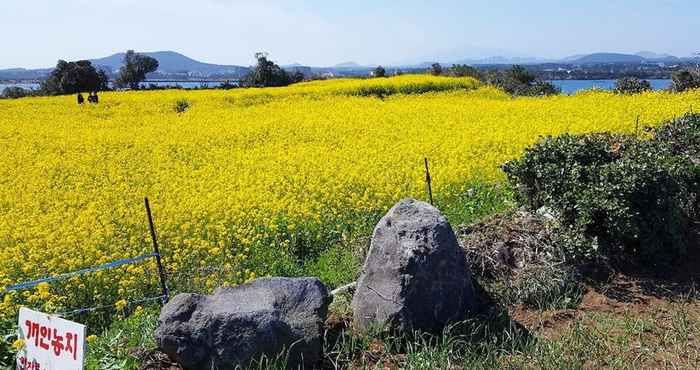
[(50, 343)]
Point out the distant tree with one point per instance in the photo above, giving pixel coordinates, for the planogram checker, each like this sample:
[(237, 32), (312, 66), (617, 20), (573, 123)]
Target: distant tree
[(15, 92), (543, 88), (463, 70), (521, 75), (631, 85), (379, 72), (74, 77), (518, 81), (298, 76), (685, 80), (436, 69), (227, 85), (266, 74), (136, 67)]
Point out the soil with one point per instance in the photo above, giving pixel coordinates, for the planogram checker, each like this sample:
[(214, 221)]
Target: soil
[(623, 297)]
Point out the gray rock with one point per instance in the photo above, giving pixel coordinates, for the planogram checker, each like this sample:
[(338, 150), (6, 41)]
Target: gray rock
[(237, 325), (416, 275)]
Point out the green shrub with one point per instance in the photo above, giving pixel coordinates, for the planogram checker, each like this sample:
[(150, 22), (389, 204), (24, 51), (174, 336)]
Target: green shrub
[(631, 85), (626, 196), (463, 70), (681, 137), (518, 81), (436, 69), (379, 72), (7, 353), (685, 80), (182, 105), (15, 92)]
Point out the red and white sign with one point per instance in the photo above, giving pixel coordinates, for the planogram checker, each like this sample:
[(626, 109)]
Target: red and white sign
[(50, 342)]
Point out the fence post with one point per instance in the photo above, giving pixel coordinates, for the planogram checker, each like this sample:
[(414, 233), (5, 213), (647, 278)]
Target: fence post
[(427, 180), (161, 271)]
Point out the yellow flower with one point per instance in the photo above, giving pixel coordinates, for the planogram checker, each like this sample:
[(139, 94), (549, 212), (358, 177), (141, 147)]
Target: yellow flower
[(250, 169), (18, 344), (43, 290), (91, 338)]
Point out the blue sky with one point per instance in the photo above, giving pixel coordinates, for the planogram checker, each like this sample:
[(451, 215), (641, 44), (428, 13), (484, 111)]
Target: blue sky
[(35, 33)]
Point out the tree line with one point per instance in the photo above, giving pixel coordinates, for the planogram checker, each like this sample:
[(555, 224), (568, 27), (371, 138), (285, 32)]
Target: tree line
[(520, 81), (517, 80), (82, 76)]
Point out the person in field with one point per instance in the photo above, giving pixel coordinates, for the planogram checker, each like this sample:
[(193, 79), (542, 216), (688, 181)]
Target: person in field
[(92, 98), (81, 100)]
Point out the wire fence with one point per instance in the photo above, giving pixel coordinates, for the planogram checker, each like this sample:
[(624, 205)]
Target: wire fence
[(105, 307), (155, 255), (106, 266), (189, 279)]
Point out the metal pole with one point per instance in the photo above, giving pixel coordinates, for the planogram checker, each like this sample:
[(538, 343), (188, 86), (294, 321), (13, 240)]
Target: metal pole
[(427, 180), (161, 271)]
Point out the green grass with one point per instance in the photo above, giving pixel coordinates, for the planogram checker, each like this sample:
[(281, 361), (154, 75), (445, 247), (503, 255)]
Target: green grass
[(667, 336), (337, 259), (664, 337), (122, 345), (595, 340)]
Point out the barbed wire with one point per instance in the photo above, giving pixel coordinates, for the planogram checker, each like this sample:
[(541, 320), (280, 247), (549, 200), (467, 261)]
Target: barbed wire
[(96, 308)]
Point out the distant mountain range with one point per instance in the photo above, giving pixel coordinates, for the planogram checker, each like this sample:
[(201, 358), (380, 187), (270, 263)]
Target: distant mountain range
[(608, 58), (177, 66), (170, 62), (170, 65), (582, 59)]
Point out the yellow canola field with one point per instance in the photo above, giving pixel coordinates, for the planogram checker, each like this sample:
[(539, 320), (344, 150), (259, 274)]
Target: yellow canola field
[(244, 173)]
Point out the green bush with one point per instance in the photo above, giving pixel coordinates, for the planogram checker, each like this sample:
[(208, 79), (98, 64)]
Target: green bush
[(684, 80), (631, 85), (15, 92), (181, 106), (626, 196), (379, 72), (518, 81), (463, 70), (7, 353), (682, 137), (436, 69)]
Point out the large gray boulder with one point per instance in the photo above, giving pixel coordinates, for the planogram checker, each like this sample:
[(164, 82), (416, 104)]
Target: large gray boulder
[(237, 325), (416, 275)]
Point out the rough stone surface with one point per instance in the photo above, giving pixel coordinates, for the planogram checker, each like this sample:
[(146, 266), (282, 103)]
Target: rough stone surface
[(416, 276), (237, 325)]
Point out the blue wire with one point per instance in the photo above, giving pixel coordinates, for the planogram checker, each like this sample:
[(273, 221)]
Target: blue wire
[(29, 284)]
